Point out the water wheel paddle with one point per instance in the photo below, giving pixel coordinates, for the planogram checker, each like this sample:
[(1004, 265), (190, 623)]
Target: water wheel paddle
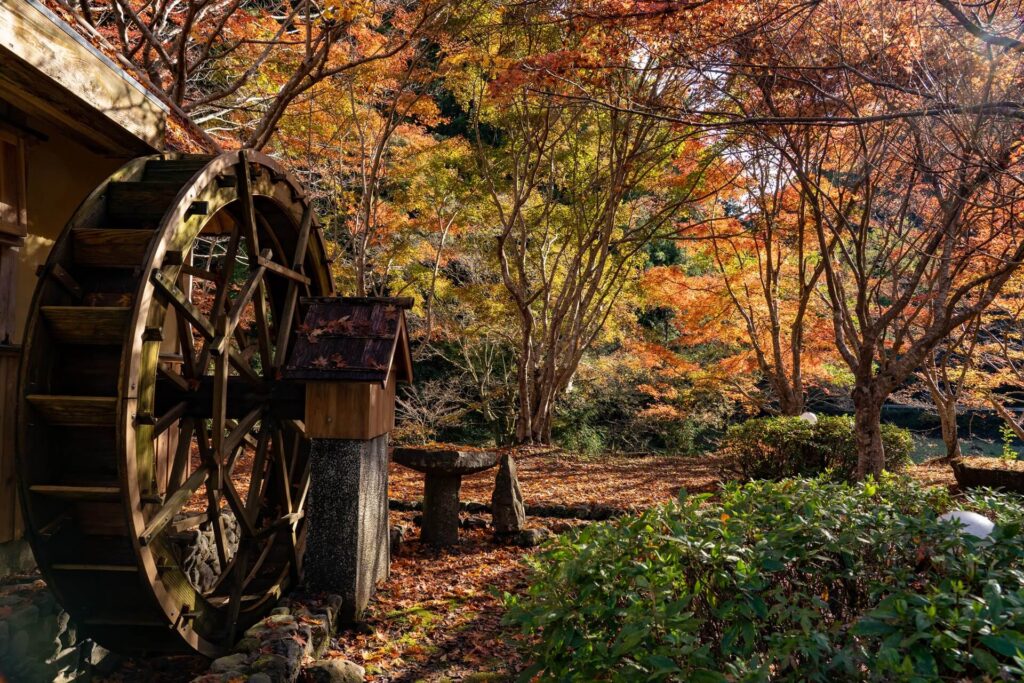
[(155, 436)]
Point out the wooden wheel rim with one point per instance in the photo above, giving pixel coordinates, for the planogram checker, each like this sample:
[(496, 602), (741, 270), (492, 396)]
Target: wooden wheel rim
[(178, 616)]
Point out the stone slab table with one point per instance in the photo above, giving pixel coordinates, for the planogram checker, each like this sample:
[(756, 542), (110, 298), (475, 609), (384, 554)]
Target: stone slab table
[(443, 469)]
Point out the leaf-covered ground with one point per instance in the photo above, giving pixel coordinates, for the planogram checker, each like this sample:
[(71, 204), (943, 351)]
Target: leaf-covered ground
[(552, 477), (438, 618)]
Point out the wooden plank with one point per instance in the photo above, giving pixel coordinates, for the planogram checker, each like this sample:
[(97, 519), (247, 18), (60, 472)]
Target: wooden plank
[(67, 567), (75, 410), (8, 300), (139, 205), (10, 513), (76, 492), (51, 68), (89, 325), (110, 248)]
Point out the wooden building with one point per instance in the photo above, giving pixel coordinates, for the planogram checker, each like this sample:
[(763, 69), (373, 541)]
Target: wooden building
[(69, 116)]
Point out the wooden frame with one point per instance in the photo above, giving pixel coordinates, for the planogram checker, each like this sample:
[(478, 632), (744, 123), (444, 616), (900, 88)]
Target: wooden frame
[(13, 186)]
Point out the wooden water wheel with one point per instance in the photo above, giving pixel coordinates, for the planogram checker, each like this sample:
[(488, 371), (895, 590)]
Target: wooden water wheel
[(153, 422)]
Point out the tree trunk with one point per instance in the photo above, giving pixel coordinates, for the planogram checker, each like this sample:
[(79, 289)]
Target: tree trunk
[(791, 401), (950, 434), (868, 433)]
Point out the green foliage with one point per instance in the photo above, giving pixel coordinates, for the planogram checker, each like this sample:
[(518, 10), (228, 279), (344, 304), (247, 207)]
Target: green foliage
[(803, 579), (1008, 436), (611, 409), (781, 447)]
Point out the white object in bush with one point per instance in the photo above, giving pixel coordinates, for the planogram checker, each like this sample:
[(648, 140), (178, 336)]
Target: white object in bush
[(972, 523), (809, 417)]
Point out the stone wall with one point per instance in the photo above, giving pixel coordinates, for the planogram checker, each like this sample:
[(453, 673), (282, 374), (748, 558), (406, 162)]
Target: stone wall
[(38, 642)]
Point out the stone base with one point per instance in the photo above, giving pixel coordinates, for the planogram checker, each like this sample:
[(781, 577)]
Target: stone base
[(285, 647), (347, 535), (16, 558)]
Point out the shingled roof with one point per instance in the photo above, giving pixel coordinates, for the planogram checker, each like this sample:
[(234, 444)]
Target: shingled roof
[(352, 339)]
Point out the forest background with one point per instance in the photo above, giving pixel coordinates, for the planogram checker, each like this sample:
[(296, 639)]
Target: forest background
[(628, 223)]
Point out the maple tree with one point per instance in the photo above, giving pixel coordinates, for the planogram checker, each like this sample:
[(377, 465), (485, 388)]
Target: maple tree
[(911, 176), (236, 66)]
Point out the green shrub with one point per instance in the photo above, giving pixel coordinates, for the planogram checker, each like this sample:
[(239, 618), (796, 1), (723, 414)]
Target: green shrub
[(794, 580), (782, 447), (584, 438)]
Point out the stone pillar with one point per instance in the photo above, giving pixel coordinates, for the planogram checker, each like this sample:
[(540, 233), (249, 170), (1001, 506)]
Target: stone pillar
[(347, 520), (441, 509), (507, 509)]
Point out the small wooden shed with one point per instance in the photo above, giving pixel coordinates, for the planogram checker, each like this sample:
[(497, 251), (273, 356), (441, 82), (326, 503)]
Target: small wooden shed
[(351, 352)]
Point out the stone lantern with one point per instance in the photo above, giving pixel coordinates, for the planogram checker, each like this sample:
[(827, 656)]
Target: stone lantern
[(350, 353)]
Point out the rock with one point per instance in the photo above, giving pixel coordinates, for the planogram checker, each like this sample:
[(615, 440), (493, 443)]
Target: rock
[(334, 604), (99, 658), (320, 635), (397, 537), (475, 522), (260, 678), (509, 515), (26, 617), (19, 645), (529, 538), (274, 666), (292, 652), (580, 511), (235, 662), (335, 671), (475, 508), (247, 644)]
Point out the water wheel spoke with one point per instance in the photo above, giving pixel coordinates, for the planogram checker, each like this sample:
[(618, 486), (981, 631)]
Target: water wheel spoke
[(182, 453), (174, 503), (234, 315), (178, 380), (258, 465), (219, 409), (283, 470), (257, 565), (263, 338), (238, 574), (291, 297), (239, 435), (245, 199), (238, 507), (169, 292), (169, 418), (200, 273), (303, 487), (284, 479), (216, 519)]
